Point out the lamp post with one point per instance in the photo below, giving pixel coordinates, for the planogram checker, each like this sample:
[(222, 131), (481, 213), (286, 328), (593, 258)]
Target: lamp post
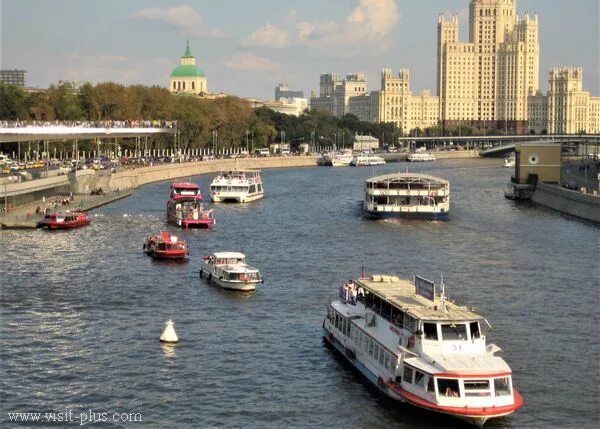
[(247, 132)]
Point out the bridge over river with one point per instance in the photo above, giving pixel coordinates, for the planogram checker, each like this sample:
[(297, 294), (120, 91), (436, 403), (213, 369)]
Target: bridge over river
[(498, 146)]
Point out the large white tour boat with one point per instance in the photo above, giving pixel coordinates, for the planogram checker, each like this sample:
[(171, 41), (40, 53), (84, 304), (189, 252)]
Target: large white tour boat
[(363, 160), (237, 186), (418, 347), (407, 195), (421, 157), (230, 271)]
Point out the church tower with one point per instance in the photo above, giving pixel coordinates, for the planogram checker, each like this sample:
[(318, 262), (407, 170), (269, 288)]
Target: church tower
[(188, 78)]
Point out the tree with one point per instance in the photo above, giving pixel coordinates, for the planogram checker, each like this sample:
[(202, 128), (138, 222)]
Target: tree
[(13, 103)]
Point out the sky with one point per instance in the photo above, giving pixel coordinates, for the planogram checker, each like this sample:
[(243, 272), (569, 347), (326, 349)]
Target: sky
[(247, 47)]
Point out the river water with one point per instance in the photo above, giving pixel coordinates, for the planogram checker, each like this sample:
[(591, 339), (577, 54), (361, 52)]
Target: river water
[(82, 310)]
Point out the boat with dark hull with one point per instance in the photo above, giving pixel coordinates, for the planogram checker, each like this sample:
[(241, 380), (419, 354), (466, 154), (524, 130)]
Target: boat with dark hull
[(407, 196)]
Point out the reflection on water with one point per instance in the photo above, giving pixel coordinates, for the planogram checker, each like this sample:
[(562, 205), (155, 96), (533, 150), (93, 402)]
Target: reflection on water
[(80, 309)]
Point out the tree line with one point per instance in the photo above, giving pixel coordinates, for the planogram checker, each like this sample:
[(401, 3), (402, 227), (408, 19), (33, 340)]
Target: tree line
[(231, 121)]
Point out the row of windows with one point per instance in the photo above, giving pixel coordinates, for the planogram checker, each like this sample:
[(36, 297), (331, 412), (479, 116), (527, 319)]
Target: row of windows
[(180, 86), (377, 352)]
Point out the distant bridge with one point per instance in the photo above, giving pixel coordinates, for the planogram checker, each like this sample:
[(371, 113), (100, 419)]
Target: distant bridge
[(497, 145)]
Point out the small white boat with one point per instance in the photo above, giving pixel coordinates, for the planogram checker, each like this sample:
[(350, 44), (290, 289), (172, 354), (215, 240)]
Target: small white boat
[(421, 157), (237, 186), (366, 160), (230, 271), (510, 161)]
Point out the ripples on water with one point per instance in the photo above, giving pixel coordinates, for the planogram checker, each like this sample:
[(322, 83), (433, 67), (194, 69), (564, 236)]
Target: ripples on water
[(82, 310)]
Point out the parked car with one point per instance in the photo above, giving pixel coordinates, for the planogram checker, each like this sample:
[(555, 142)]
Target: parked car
[(571, 184)]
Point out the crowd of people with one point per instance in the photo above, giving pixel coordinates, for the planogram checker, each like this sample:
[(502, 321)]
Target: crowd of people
[(91, 124), (351, 292)]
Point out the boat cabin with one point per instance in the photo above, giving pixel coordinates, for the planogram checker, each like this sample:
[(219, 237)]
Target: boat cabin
[(185, 190)]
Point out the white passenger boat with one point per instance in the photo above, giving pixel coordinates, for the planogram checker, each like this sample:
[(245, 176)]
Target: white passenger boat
[(421, 157), (366, 160), (420, 348), (341, 159), (510, 161), (238, 186), (230, 271), (407, 195)]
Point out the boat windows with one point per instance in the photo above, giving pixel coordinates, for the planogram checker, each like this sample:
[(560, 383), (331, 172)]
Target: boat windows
[(448, 387), (386, 361), (419, 379), (474, 327), (502, 386), (408, 374), (454, 332), (371, 345), (477, 387), (381, 356), (430, 330)]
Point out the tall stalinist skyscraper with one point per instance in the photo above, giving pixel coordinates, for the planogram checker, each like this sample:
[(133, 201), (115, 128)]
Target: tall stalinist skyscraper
[(486, 81)]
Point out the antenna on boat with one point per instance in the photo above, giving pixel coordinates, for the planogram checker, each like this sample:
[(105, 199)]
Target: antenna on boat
[(443, 295)]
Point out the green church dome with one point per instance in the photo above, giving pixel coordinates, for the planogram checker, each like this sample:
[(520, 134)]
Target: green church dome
[(187, 70)]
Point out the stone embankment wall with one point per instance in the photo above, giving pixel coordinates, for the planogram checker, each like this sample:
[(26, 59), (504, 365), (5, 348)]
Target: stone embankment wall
[(574, 203), (134, 177)]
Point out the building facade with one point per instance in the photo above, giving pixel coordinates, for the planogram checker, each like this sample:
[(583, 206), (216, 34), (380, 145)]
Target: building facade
[(13, 77), (187, 77), (487, 80), (282, 91), (397, 103), (567, 108), (335, 92)]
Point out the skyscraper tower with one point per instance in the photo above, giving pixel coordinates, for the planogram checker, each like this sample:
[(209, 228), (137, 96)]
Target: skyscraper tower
[(489, 78)]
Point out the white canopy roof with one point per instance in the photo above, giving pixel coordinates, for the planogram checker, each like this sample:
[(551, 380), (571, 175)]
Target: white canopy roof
[(229, 255)]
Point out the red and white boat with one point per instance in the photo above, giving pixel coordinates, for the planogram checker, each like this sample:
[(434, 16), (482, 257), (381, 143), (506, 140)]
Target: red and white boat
[(65, 220), (166, 246), (418, 347), (185, 207)]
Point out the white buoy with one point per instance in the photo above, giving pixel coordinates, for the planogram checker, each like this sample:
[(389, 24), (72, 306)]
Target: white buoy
[(169, 335)]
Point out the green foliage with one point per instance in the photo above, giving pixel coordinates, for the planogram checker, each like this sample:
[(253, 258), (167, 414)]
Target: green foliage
[(13, 103)]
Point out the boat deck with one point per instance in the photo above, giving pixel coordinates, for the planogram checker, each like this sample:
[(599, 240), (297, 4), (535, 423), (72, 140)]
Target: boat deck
[(401, 293)]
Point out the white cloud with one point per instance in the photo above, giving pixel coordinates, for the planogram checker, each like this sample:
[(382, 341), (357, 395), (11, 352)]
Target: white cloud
[(184, 16), (268, 36), (247, 61), (368, 28), (370, 25)]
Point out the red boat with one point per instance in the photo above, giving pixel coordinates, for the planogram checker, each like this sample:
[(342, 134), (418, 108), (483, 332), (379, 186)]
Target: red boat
[(185, 207), (165, 246), (64, 220)]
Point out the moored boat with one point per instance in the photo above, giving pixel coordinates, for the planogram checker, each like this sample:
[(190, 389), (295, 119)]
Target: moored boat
[(65, 220), (510, 161), (165, 246), (366, 160), (230, 271), (186, 209), (236, 186), (407, 195), (418, 347), (421, 157)]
